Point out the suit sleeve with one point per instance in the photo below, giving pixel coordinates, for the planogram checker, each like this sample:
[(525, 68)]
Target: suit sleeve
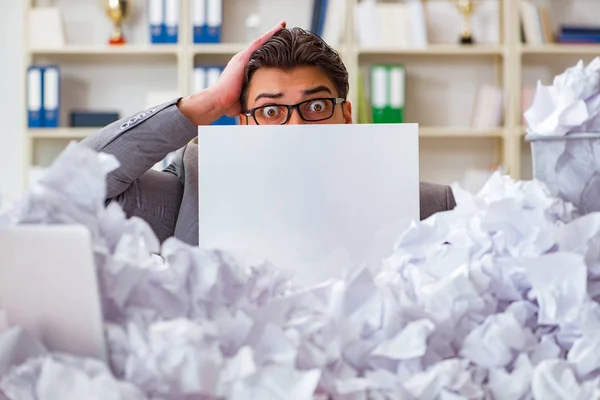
[(139, 142), (450, 200)]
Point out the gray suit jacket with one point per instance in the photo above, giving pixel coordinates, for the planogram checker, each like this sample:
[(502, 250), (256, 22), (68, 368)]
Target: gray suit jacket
[(168, 200)]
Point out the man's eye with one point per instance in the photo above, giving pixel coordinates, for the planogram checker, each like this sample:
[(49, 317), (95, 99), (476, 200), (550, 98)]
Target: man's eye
[(271, 111), (317, 106)]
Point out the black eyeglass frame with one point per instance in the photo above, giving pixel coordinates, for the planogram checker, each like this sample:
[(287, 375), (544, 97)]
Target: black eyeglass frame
[(335, 100)]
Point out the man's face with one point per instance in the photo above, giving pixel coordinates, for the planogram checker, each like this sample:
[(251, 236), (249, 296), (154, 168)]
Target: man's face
[(273, 87)]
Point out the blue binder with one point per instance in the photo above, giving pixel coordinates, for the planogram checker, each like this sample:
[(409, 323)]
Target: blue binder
[(51, 96), (214, 20), (199, 9), (172, 21), (156, 18), (322, 17), (35, 87)]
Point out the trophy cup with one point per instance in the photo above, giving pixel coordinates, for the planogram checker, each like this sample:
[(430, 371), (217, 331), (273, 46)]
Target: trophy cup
[(117, 11), (466, 8)]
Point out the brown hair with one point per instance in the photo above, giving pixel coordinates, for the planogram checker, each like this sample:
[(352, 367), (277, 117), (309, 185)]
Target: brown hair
[(291, 48)]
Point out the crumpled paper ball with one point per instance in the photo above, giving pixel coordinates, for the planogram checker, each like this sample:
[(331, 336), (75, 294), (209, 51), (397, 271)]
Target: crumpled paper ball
[(570, 168), (496, 299), (564, 130), (570, 104)]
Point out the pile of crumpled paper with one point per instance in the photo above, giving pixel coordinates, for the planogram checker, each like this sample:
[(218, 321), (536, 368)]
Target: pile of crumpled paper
[(564, 126), (496, 299), (570, 105)]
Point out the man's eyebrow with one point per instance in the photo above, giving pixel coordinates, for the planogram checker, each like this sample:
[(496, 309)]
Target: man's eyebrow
[(269, 96), (317, 89)]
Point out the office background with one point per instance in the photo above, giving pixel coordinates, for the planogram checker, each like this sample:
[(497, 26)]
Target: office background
[(451, 90)]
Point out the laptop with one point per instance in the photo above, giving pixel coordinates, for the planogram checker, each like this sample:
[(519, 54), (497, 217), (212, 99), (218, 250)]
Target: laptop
[(48, 286), (317, 200)]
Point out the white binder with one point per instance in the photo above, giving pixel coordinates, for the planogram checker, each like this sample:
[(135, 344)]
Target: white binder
[(51, 96), (34, 97), (156, 19), (214, 20), (198, 14), (172, 20)]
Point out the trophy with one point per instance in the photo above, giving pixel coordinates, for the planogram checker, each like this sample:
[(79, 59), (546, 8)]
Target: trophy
[(117, 11), (466, 8)]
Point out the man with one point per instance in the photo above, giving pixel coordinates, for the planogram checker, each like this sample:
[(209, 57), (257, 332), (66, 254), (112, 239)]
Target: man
[(283, 77)]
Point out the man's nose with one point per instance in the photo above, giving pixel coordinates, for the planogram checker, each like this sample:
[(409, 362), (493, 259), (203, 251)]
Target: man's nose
[(295, 118)]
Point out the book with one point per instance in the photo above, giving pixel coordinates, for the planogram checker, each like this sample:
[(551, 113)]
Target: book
[(580, 29), (51, 96), (488, 109), (198, 13), (35, 109), (532, 25), (388, 93), (578, 38), (214, 20), (379, 82), (171, 21), (396, 87), (156, 19), (547, 32)]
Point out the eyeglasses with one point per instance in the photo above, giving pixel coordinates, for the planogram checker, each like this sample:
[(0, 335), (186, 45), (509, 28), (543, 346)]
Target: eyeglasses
[(312, 110)]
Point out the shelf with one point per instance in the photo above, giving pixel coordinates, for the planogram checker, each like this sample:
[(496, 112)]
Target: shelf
[(60, 133), (105, 50), (459, 132), (522, 130), (563, 49), (219, 48), (434, 50)]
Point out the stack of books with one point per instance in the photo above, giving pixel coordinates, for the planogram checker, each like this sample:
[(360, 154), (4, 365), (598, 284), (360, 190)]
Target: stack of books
[(535, 24), (488, 110), (579, 34)]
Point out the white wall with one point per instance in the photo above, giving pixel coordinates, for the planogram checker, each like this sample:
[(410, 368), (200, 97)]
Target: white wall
[(11, 100)]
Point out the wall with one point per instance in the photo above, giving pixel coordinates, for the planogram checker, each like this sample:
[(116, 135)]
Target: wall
[(11, 100)]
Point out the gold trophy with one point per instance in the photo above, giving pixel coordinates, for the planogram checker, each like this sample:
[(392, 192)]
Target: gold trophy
[(466, 8), (117, 11)]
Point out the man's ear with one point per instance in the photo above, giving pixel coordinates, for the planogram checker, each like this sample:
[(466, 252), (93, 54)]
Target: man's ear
[(347, 107)]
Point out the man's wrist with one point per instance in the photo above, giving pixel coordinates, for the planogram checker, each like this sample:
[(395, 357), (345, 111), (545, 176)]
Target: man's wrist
[(201, 108)]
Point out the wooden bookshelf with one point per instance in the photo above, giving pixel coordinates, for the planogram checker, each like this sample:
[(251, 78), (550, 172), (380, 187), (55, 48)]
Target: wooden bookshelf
[(434, 50), (218, 48), (60, 133), (459, 132), (507, 62), (562, 49), (131, 49)]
